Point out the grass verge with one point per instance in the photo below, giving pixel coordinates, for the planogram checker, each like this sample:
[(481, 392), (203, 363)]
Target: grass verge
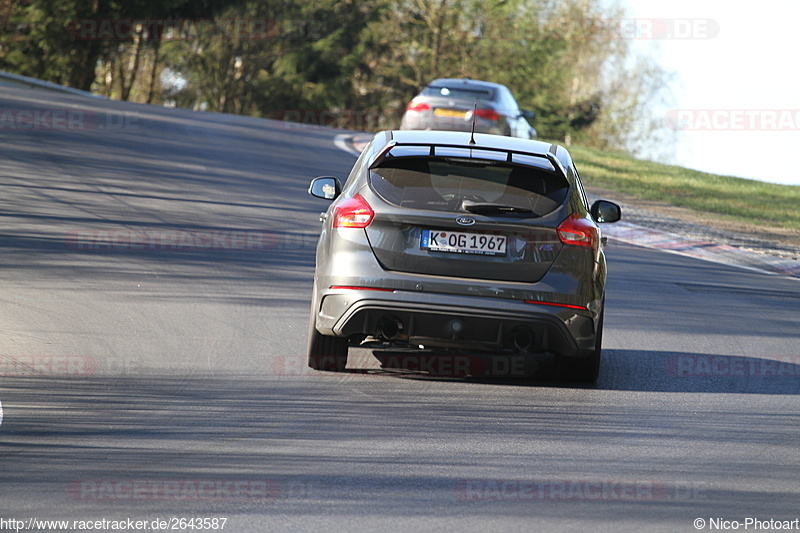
[(752, 202)]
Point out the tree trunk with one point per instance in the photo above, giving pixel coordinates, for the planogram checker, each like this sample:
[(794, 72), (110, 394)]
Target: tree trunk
[(133, 65), (154, 71)]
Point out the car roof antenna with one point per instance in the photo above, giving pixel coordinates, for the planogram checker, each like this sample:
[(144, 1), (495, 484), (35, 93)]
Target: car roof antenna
[(472, 133)]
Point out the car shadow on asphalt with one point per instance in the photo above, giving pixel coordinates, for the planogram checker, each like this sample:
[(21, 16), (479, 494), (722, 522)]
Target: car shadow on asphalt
[(670, 371), (623, 370)]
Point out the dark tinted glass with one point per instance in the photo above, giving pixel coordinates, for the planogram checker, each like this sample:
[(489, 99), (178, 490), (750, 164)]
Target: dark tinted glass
[(462, 93), (442, 185)]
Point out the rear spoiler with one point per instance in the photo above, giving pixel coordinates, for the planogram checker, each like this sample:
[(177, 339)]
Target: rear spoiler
[(549, 156)]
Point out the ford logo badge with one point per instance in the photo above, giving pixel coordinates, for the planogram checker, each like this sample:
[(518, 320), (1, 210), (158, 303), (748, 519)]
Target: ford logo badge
[(465, 221)]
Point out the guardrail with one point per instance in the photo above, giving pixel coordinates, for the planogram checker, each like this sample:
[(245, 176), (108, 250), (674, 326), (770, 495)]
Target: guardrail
[(7, 78)]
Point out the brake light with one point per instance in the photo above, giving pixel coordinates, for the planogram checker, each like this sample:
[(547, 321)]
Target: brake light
[(353, 212), (417, 106), (578, 231), (488, 114)]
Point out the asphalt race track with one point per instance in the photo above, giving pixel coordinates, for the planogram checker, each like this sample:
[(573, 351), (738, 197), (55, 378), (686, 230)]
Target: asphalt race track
[(155, 278)]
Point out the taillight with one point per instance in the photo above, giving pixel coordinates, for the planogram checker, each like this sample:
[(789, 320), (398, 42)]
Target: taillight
[(553, 304), (488, 114), (357, 288), (578, 231), (353, 212), (417, 106)]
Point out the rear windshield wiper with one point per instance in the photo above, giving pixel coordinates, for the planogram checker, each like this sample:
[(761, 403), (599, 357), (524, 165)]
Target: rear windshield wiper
[(484, 208)]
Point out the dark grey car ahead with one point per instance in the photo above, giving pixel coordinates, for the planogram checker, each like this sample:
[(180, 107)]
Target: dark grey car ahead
[(437, 243), (454, 104)]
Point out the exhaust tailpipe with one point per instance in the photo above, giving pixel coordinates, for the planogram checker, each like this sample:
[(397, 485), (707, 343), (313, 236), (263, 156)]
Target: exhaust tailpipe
[(389, 327), (522, 338)]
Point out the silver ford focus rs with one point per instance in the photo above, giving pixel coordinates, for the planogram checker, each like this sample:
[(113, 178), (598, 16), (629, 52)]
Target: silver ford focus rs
[(459, 241)]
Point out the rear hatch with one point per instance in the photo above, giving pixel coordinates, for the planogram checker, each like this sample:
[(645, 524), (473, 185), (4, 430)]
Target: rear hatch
[(490, 216), (451, 108)]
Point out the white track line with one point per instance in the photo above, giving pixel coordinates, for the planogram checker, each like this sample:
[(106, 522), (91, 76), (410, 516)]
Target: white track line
[(341, 142)]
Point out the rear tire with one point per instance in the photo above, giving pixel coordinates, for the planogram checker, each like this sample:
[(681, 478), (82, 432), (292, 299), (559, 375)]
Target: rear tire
[(326, 352), (585, 369)]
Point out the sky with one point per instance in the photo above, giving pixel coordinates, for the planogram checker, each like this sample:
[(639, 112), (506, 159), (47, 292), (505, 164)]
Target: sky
[(735, 85)]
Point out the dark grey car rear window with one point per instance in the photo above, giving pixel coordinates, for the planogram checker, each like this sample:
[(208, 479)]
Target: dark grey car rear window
[(465, 93), (442, 185)]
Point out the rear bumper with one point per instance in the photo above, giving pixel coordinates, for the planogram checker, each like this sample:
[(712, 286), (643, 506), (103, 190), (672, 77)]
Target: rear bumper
[(413, 120), (451, 321)]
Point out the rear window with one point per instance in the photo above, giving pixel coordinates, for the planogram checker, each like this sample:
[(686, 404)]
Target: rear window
[(443, 184), (465, 93)]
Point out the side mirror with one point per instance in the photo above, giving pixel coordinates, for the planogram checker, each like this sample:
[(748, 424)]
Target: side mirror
[(605, 211), (325, 187), (528, 114)]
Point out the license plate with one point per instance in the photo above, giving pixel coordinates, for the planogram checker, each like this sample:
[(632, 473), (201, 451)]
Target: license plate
[(449, 113), (463, 243)]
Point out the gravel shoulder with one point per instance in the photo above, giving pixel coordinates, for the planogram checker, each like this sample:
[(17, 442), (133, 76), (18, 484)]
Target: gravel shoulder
[(778, 242)]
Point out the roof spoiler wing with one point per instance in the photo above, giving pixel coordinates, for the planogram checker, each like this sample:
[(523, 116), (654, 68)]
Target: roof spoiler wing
[(549, 156)]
